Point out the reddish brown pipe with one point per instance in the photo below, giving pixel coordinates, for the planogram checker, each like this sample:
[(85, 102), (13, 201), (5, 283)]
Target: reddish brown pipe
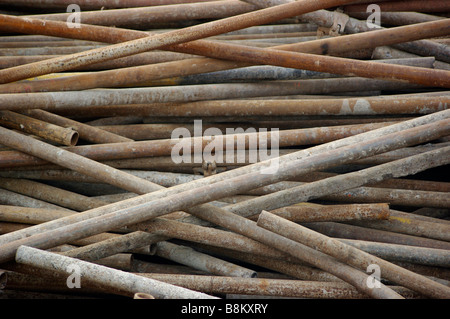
[(145, 16)]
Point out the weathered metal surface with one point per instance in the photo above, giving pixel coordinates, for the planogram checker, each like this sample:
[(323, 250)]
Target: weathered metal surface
[(51, 132)]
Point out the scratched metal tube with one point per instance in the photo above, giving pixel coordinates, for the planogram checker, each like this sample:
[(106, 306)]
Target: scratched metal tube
[(87, 132), (198, 144), (261, 107), (51, 132), (263, 287), (52, 101), (341, 251), (102, 275), (29, 215), (404, 197), (227, 175), (14, 199), (164, 39), (188, 256), (308, 213), (146, 16), (268, 73)]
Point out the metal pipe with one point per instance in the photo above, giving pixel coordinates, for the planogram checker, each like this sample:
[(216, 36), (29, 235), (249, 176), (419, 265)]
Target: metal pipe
[(188, 256), (308, 213), (264, 287), (297, 107), (48, 131), (102, 275), (146, 16), (15, 199), (87, 132), (114, 245), (292, 267), (393, 252), (340, 230), (54, 101), (348, 254), (50, 194)]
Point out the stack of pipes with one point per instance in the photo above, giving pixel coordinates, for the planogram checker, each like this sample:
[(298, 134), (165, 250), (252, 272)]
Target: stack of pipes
[(185, 149)]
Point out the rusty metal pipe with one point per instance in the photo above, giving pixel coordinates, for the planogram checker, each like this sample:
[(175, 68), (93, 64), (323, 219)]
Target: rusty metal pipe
[(260, 107), (146, 16), (50, 194), (114, 245), (53, 101), (264, 287), (160, 40), (15, 199), (308, 213), (48, 131), (188, 256), (102, 275), (87, 132), (340, 230), (347, 254)]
